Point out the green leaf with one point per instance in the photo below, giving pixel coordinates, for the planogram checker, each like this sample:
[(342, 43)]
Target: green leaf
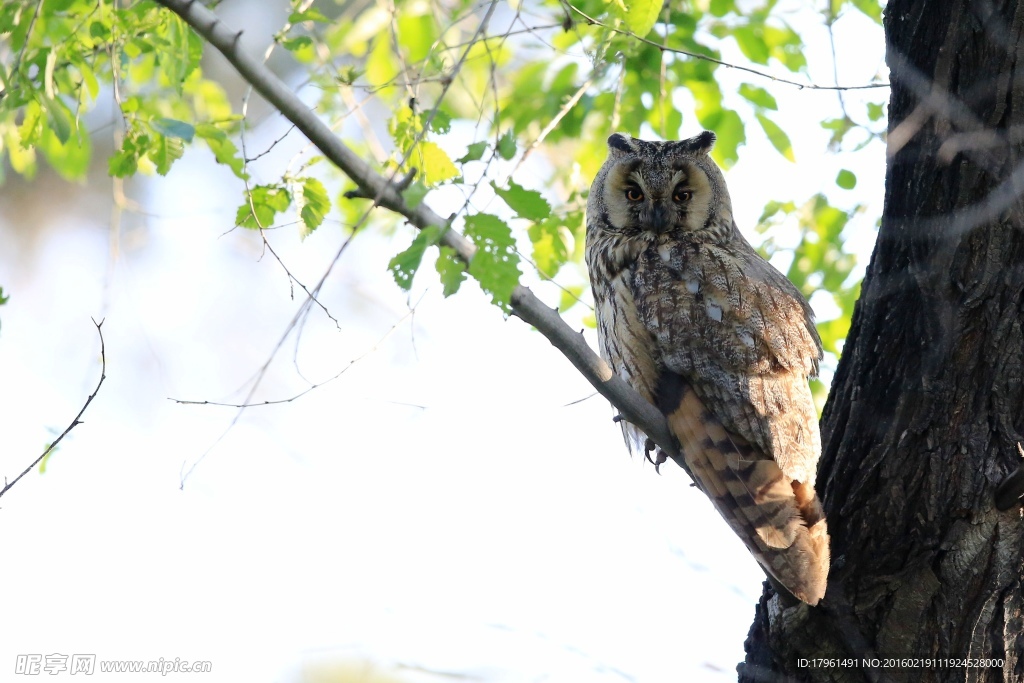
[(381, 66), (785, 45), (549, 246), (871, 8), (570, 297), (9, 12), (832, 332), (846, 179), (173, 129), (133, 48), (839, 127), (21, 156), (436, 165), (527, 204), (774, 207), (225, 152), (828, 221), (876, 110), (347, 74), (507, 145), (3, 299), (261, 206), (223, 149), (452, 270), (496, 263), (32, 124), (416, 34), (640, 15), (720, 8), (758, 96), (51, 62), (165, 151), (124, 162), (309, 14), (414, 194), (313, 205), (48, 451), (92, 84), (474, 152), (731, 134), (60, 119), (776, 136), (403, 265), (440, 123), (70, 158), (750, 39), (297, 43)]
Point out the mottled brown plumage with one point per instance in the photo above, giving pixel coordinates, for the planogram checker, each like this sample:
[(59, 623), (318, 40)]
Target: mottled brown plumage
[(707, 330)]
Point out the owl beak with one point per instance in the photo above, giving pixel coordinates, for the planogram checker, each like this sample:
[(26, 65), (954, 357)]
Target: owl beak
[(659, 222)]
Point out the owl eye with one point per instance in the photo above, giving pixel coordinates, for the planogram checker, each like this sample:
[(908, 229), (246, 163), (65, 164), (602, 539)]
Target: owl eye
[(634, 194), (681, 195)]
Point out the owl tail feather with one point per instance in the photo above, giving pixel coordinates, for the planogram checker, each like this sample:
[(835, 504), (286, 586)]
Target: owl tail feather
[(779, 519)]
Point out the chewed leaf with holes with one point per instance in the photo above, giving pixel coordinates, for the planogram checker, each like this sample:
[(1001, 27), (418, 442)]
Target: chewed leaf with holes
[(496, 263), (452, 270), (403, 265)]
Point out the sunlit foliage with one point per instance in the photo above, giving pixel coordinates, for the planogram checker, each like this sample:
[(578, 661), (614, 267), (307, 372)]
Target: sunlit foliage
[(472, 89)]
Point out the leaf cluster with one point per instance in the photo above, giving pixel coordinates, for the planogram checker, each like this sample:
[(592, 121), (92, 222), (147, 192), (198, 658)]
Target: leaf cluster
[(506, 109)]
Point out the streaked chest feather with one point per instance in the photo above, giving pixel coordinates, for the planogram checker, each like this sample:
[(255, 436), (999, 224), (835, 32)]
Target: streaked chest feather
[(625, 341)]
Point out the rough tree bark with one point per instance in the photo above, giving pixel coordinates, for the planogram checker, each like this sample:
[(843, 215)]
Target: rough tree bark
[(927, 405)]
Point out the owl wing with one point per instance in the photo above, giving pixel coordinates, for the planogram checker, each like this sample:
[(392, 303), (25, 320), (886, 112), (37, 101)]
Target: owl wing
[(736, 346), (743, 337), (779, 519)]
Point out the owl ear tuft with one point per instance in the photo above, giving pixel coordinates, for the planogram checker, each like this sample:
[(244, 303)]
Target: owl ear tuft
[(703, 142), (620, 142)]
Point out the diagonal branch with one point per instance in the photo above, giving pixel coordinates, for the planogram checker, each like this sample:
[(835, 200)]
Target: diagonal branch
[(525, 304)]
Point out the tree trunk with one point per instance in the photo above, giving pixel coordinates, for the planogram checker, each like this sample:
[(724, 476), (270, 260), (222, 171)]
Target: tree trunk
[(927, 406)]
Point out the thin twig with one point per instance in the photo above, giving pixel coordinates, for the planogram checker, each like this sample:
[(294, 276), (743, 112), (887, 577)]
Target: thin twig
[(580, 400), (312, 385), (269, 149), (78, 418)]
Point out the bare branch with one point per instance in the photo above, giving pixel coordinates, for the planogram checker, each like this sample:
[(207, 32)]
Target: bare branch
[(78, 418), (525, 304), (312, 385)]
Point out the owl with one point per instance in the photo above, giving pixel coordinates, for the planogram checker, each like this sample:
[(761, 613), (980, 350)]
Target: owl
[(718, 339)]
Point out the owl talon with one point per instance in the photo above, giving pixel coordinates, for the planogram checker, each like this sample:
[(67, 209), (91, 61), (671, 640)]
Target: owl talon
[(659, 457)]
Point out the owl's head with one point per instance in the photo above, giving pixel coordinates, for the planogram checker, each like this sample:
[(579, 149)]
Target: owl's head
[(669, 187)]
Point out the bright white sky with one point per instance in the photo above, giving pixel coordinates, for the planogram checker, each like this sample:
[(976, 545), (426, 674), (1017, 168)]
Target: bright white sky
[(443, 506)]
